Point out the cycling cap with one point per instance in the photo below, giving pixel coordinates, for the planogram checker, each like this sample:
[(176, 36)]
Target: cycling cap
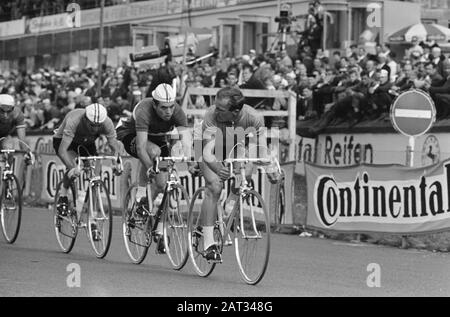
[(7, 100), (96, 113), (164, 93)]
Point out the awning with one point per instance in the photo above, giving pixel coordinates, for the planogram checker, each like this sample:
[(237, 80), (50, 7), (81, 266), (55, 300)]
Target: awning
[(421, 32)]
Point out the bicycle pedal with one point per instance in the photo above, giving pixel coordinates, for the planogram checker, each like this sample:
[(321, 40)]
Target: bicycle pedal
[(228, 243)]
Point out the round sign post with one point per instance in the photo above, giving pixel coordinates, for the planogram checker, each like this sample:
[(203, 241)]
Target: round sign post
[(413, 114)]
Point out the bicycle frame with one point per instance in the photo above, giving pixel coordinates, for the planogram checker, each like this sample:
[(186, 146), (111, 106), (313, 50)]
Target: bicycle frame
[(172, 181), (89, 169), (8, 168), (243, 189)]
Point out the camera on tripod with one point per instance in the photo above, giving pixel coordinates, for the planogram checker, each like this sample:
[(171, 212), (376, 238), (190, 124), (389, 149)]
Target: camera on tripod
[(286, 17)]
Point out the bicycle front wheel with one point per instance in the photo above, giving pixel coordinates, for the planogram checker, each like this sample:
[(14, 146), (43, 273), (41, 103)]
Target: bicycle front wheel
[(176, 226), (100, 219), (195, 236), (11, 208), (252, 237), (66, 225), (136, 228)]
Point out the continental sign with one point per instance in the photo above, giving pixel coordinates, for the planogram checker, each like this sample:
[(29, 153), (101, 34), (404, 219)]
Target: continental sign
[(371, 198)]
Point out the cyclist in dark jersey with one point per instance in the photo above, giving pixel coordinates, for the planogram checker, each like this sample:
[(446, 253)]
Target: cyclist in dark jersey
[(12, 121), (76, 136), (148, 135)]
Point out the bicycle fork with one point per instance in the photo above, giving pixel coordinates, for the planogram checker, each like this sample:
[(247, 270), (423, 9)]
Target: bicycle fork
[(91, 199)]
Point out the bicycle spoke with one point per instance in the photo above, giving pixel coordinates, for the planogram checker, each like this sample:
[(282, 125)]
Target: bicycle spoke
[(195, 236), (100, 220), (176, 228), (135, 229), (66, 227), (11, 209)]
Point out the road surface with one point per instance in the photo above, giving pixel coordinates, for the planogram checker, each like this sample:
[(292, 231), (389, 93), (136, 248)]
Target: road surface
[(34, 266)]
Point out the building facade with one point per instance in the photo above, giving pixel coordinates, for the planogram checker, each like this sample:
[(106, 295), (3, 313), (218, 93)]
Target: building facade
[(237, 26)]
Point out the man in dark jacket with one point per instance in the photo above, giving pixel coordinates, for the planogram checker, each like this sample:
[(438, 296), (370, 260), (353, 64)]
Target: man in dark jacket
[(441, 95), (379, 97)]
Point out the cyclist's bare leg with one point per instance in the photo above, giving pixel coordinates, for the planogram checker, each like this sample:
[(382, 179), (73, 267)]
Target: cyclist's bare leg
[(66, 180), (7, 144), (159, 183), (209, 210)]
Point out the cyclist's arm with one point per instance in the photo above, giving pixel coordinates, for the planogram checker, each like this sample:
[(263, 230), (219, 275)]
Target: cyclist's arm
[(21, 134), (68, 136), (115, 146), (111, 136), (20, 128), (63, 152), (184, 133)]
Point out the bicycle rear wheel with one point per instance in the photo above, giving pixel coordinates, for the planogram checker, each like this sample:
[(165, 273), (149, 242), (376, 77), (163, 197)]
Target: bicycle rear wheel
[(252, 238), (66, 226), (11, 208), (100, 219), (195, 236), (136, 228), (176, 226)]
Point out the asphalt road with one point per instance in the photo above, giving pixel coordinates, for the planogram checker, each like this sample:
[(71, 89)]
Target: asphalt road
[(34, 266)]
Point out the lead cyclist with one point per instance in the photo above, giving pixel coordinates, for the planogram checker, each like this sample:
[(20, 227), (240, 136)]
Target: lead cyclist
[(219, 131)]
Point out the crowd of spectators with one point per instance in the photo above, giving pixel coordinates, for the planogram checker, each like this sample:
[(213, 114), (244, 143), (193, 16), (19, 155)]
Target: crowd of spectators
[(47, 95), (343, 88)]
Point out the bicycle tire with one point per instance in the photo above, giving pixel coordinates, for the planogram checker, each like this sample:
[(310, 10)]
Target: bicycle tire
[(129, 224), (201, 266), (252, 267), (281, 208), (62, 237), (12, 233), (176, 228), (105, 243)]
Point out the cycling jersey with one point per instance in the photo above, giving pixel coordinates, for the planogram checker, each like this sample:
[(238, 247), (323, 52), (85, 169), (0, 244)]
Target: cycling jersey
[(248, 118), (15, 120), (145, 119), (79, 131)]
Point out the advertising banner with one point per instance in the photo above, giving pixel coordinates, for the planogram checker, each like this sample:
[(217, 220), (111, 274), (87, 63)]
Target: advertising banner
[(379, 198), (49, 23), (12, 28), (369, 148)]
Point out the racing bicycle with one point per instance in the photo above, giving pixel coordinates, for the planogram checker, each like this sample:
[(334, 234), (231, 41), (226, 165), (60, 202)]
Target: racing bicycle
[(248, 223), (93, 213), (11, 196), (140, 220)]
